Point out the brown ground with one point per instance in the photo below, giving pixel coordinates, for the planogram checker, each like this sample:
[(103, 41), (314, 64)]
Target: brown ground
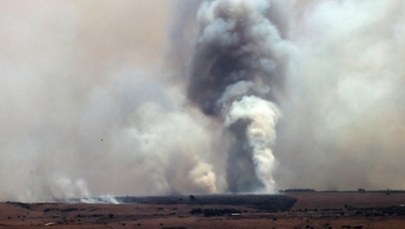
[(312, 210)]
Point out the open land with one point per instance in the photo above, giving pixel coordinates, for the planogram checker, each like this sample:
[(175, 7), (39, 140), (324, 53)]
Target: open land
[(293, 209)]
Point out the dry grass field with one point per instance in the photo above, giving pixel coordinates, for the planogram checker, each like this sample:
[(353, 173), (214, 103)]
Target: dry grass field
[(311, 210)]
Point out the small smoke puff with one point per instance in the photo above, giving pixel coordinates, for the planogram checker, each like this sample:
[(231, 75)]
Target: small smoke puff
[(204, 178), (265, 163), (228, 38), (253, 108), (235, 91), (63, 188), (103, 199)]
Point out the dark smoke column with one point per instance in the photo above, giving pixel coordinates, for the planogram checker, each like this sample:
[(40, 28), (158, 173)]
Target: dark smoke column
[(234, 65)]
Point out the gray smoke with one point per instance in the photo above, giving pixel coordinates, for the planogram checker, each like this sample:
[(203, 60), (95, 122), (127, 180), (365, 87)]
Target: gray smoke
[(343, 123), (159, 97), (236, 62), (86, 109)]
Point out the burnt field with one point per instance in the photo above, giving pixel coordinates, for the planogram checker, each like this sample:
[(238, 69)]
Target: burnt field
[(290, 210)]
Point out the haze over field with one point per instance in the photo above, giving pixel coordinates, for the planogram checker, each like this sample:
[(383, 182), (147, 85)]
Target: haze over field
[(200, 96)]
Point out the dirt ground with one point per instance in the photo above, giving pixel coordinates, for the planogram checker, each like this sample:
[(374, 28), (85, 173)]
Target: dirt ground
[(312, 210)]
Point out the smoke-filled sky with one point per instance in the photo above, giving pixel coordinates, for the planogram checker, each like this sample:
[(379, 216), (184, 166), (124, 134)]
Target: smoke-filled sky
[(200, 96)]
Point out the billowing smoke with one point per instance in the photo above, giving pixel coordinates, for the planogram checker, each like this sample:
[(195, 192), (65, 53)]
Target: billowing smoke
[(343, 123), (160, 97), (235, 63), (86, 107)]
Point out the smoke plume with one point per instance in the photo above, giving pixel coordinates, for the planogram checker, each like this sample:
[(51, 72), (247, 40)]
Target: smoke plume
[(199, 96), (86, 108), (235, 62)]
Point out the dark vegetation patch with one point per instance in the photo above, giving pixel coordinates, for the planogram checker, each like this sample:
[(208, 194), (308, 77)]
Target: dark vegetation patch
[(394, 210), (69, 209), (21, 205), (350, 211), (271, 203), (372, 212), (174, 227), (210, 212), (298, 190), (61, 210)]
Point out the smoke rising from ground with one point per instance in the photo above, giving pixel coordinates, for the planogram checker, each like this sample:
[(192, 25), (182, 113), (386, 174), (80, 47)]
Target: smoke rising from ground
[(86, 109), (237, 57), (114, 99)]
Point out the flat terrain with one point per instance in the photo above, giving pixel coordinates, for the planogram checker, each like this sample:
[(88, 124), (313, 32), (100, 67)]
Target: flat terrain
[(292, 210)]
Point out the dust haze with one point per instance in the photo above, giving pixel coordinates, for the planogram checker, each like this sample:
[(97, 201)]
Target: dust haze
[(200, 96)]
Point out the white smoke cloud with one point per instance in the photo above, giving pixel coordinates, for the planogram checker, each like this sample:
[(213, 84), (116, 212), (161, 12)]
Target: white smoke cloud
[(260, 133), (343, 124), (239, 53), (86, 108), (104, 199), (63, 188), (89, 107)]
